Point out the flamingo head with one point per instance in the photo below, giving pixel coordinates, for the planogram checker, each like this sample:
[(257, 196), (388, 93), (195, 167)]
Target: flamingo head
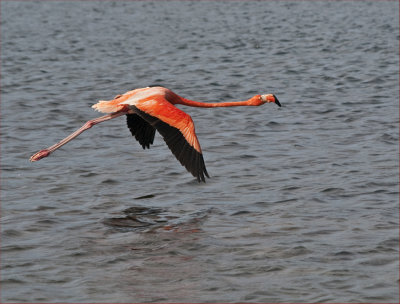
[(270, 98)]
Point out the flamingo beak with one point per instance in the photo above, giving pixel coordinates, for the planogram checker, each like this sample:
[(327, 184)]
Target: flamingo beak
[(270, 98), (277, 101)]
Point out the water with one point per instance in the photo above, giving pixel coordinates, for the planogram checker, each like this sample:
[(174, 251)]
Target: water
[(302, 203)]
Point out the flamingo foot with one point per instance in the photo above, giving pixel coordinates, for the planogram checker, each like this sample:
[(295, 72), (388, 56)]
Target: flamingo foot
[(39, 155)]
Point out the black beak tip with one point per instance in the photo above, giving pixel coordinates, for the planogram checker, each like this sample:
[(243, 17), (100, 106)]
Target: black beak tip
[(277, 101)]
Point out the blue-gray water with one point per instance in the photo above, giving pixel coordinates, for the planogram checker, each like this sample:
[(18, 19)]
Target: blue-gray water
[(302, 203)]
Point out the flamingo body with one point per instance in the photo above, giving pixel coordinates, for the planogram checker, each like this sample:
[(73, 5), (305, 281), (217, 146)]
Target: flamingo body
[(153, 109)]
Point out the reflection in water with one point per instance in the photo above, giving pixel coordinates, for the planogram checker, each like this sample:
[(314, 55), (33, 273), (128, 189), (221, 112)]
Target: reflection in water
[(166, 256), (139, 217), (149, 219)]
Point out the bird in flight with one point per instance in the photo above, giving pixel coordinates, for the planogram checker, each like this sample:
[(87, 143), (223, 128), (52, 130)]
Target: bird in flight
[(153, 108)]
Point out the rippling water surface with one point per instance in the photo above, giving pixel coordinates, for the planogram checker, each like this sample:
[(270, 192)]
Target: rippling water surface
[(302, 203)]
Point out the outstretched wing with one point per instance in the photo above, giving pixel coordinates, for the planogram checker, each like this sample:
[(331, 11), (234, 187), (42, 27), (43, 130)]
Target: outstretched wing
[(177, 129), (141, 129)]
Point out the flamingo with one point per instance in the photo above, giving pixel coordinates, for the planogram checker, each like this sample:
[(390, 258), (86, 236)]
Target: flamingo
[(153, 108)]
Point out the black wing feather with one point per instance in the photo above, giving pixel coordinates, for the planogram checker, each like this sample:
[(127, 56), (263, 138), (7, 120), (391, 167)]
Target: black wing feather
[(187, 155), (141, 129)]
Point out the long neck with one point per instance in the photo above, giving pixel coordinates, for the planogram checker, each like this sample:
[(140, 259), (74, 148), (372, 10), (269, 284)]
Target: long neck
[(199, 104)]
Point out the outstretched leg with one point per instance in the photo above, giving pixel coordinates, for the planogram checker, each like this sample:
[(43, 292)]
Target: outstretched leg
[(46, 152)]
